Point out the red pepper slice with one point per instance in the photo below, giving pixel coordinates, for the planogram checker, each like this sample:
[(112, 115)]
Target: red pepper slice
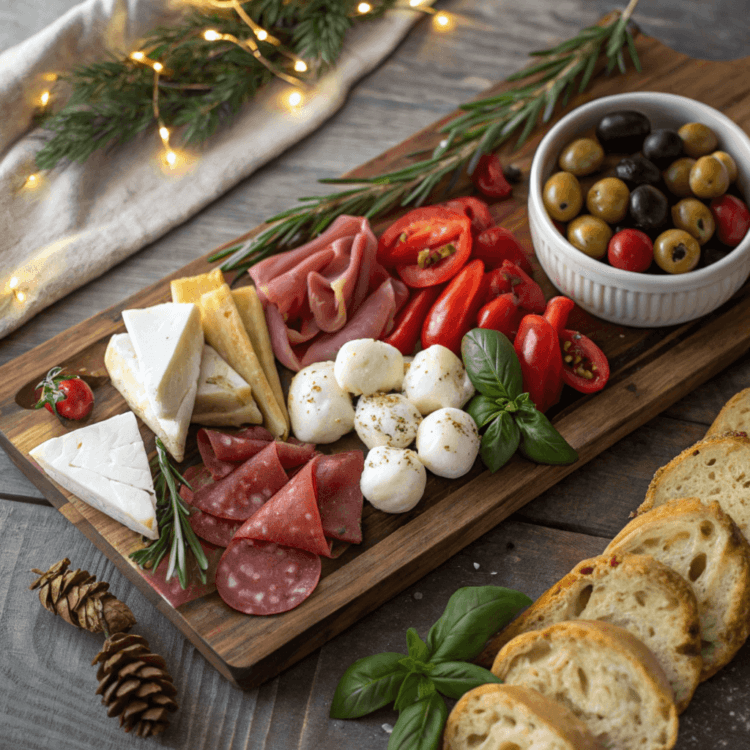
[(489, 179), (477, 210), (455, 310), (497, 244), (529, 293), (408, 324), (502, 314), (538, 350), (588, 374)]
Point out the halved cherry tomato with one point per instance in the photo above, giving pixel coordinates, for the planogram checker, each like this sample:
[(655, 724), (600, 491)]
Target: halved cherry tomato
[(477, 210), (455, 310), (502, 314), (408, 324), (529, 293), (497, 244), (489, 179)]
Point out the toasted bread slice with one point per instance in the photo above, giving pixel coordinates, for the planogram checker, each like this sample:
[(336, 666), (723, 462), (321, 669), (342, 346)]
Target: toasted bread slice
[(734, 415), (716, 468), (636, 592), (601, 673), (704, 545), (511, 716)]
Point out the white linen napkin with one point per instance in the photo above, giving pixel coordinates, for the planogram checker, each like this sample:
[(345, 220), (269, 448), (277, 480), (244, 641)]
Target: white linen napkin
[(76, 221)]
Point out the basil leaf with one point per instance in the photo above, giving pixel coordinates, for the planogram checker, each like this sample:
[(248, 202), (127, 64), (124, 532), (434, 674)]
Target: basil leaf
[(499, 442), (454, 678), (416, 646), (420, 725), (482, 409), (491, 363), (540, 441), (472, 615), (414, 687), (367, 685)]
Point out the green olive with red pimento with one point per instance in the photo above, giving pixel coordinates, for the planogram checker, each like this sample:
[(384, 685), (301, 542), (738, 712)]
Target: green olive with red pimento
[(695, 218), (676, 251)]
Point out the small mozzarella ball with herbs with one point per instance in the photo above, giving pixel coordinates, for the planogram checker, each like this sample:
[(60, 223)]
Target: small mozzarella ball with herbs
[(448, 442), (437, 379), (709, 177), (590, 235), (386, 419), (393, 479), (607, 199), (581, 157), (695, 218), (562, 196), (319, 409), (677, 177), (676, 251), (697, 139), (367, 366)]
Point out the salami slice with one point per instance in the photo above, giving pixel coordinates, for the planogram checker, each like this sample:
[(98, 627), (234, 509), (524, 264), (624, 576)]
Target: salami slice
[(196, 476), (218, 531), (219, 469), (264, 578), (291, 516), (339, 496), (236, 446), (238, 495)]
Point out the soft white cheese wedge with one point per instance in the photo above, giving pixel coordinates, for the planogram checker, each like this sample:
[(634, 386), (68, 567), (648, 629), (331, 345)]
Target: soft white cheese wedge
[(224, 398), (122, 365), (168, 341), (106, 466)]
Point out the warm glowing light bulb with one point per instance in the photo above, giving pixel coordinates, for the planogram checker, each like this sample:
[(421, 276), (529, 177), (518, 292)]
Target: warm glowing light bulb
[(20, 296), (211, 36), (171, 158), (300, 66), (262, 35), (45, 98), (137, 56), (13, 283), (414, 3), (441, 19), (364, 8), (295, 99), (32, 180), (164, 133), (158, 67)]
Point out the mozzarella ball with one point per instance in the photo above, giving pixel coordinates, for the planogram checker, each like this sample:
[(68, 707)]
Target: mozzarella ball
[(448, 442), (437, 379), (366, 366), (319, 409), (393, 479), (386, 419)]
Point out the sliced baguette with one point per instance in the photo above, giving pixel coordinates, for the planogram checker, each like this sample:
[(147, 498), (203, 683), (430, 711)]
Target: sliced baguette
[(601, 673), (491, 717), (734, 416), (716, 468), (704, 545), (636, 592)]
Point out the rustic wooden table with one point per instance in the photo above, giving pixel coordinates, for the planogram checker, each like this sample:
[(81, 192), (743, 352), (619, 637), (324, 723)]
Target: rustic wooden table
[(46, 684)]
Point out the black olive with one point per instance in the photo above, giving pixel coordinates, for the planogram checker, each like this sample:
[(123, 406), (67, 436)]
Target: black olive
[(711, 254), (623, 131), (637, 170), (648, 207), (662, 147), (513, 174)]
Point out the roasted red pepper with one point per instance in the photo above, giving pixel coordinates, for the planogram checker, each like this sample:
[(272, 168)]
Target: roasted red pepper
[(538, 350), (408, 324), (497, 244), (502, 314), (510, 278), (489, 179), (477, 210), (454, 313)]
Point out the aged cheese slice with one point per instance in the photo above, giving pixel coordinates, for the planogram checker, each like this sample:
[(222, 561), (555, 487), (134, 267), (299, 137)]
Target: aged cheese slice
[(190, 288), (168, 342), (105, 465), (124, 371), (224, 398)]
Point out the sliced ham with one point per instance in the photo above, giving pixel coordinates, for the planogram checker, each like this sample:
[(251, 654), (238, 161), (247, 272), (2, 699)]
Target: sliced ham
[(339, 496)]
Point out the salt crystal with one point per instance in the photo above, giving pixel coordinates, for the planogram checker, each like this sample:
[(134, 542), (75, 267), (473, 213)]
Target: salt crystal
[(387, 728), (476, 566), (494, 573)]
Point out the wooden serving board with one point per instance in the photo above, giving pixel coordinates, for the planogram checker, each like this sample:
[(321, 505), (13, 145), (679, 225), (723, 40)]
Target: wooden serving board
[(651, 369)]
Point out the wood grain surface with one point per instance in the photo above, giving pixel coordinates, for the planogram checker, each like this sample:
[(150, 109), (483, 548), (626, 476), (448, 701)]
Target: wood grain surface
[(46, 685)]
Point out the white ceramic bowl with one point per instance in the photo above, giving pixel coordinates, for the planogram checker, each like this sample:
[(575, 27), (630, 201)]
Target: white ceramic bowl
[(636, 299)]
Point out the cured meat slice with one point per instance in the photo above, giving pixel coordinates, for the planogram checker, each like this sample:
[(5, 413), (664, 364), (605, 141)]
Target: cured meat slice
[(264, 578), (291, 516), (236, 446), (218, 531), (196, 476), (339, 496), (238, 495), (218, 469)]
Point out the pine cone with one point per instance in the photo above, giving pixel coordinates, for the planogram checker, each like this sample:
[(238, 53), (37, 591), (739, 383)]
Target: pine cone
[(79, 599), (134, 684)]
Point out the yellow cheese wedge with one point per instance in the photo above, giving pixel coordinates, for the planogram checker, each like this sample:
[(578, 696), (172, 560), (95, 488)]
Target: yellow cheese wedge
[(190, 288)]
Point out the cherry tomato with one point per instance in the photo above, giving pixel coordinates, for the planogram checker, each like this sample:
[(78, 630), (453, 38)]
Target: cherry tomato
[(477, 210), (408, 324), (68, 397), (510, 278), (497, 244), (732, 219), (502, 314), (538, 350), (489, 179), (630, 250), (585, 366)]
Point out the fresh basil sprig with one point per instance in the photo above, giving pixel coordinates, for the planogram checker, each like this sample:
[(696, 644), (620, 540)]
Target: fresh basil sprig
[(507, 415), (415, 679)]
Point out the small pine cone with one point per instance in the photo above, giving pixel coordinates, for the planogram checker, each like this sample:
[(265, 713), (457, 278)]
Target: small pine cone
[(81, 600), (134, 684)]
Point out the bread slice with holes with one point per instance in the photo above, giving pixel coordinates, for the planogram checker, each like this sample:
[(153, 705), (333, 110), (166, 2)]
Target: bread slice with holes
[(734, 415), (513, 717), (704, 545), (603, 675), (717, 468), (638, 593)]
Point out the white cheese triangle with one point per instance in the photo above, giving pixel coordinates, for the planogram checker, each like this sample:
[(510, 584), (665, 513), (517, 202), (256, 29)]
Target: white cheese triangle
[(168, 341), (106, 466)]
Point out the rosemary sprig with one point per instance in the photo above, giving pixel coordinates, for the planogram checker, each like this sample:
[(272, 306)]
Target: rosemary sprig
[(484, 125), (175, 532)]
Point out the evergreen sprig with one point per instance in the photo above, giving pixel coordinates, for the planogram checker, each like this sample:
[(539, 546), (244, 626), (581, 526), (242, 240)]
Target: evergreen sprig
[(176, 535), (484, 125)]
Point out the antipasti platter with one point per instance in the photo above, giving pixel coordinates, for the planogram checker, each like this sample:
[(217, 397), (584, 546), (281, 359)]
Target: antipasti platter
[(650, 370)]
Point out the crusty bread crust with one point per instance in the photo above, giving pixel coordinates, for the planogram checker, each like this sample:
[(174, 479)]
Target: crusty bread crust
[(492, 714), (636, 592), (734, 415), (704, 545), (603, 674)]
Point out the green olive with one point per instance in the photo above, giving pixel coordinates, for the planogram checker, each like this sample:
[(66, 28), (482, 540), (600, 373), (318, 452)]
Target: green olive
[(676, 251), (695, 218), (590, 235), (562, 196), (728, 162), (608, 200), (697, 139), (581, 157), (709, 178), (677, 177)]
